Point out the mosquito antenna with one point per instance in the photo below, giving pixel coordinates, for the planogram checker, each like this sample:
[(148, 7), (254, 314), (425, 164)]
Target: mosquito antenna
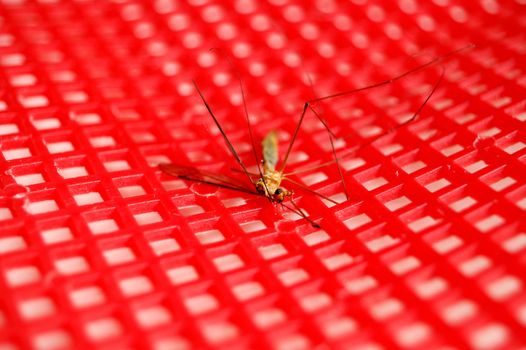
[(245, 109), (307, 105), (229, 144)]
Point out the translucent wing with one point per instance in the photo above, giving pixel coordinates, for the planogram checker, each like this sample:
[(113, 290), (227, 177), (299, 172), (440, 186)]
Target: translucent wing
[(208, 177)]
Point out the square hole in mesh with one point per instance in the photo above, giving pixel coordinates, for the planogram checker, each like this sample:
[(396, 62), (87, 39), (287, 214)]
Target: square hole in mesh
[(292, 271), (311, 236), (487, 218), (220, 330), (358, 280), (102, 138), (126, 111), (61, 75), (103, 329), (86, 295), (428, 285), (335, 327), (143, 134), (164, 241), (170, 183), (6, 212), (458, 311), (191, 205), (12, 240), (132, 186), (421, 218), (501, 179), (156, 155), (9, 125), (200, 300), (397, 198), (153, 316), (148, 213), (48, 119), (68, 262), (73, 167), (272, 246), (246, 285), (442, 240), (513, 143), (336, 256), (471, 262), (475, 161), (436, 180), (103, 221), (52, 339), (33, 98), (56, 230), (413, 161), (375, 178), (85, 116), (313, 299), (22, 273), (88, 193), (228, 262), (357, 216), (182, 269), (268, 313), (518, 197), (134, 281), (22, 78), (253, 226), (29, 174), (37, 307), (503, 287), (402, 260), (463, 198), (114, 161), (42, 202), (72, 96), (209, 233), (118, 251), (385, 307), (487, 128), (379, 238), (60, 142), (18, 148), (452, 144)]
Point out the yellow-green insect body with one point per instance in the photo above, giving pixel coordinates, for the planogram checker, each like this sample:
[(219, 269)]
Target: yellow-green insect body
[(269, 184)]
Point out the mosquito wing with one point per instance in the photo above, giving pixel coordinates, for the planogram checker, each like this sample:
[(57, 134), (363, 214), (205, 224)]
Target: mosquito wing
[(208, 177)]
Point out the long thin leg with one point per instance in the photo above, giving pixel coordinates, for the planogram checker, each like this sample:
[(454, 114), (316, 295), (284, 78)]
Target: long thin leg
[(308, 104), (245, 109), (305, 188), (229, 144), (353, 151)]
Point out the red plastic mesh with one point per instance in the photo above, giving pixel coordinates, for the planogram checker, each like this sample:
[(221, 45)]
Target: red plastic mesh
[(98, 248)]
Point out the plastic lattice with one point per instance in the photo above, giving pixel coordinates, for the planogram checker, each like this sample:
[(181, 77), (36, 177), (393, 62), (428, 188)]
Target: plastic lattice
[(99, 248)]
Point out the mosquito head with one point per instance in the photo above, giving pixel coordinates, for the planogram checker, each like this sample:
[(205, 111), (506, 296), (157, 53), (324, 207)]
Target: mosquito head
[(280, 194)]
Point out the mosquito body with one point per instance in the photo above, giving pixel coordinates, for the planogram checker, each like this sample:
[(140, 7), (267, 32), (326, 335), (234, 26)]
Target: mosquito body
[(267, 182)]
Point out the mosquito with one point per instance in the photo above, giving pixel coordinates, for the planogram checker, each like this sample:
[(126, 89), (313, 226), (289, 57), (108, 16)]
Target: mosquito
[(268, 181)]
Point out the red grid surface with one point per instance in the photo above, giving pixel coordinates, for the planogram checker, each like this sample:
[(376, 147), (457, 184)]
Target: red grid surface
[(98, 248)]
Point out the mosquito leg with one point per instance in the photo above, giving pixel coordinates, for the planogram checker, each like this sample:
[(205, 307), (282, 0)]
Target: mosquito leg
[(297, 210), (306, 189), (308, 104), (225, 138), (333, 149), (245, 109)]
